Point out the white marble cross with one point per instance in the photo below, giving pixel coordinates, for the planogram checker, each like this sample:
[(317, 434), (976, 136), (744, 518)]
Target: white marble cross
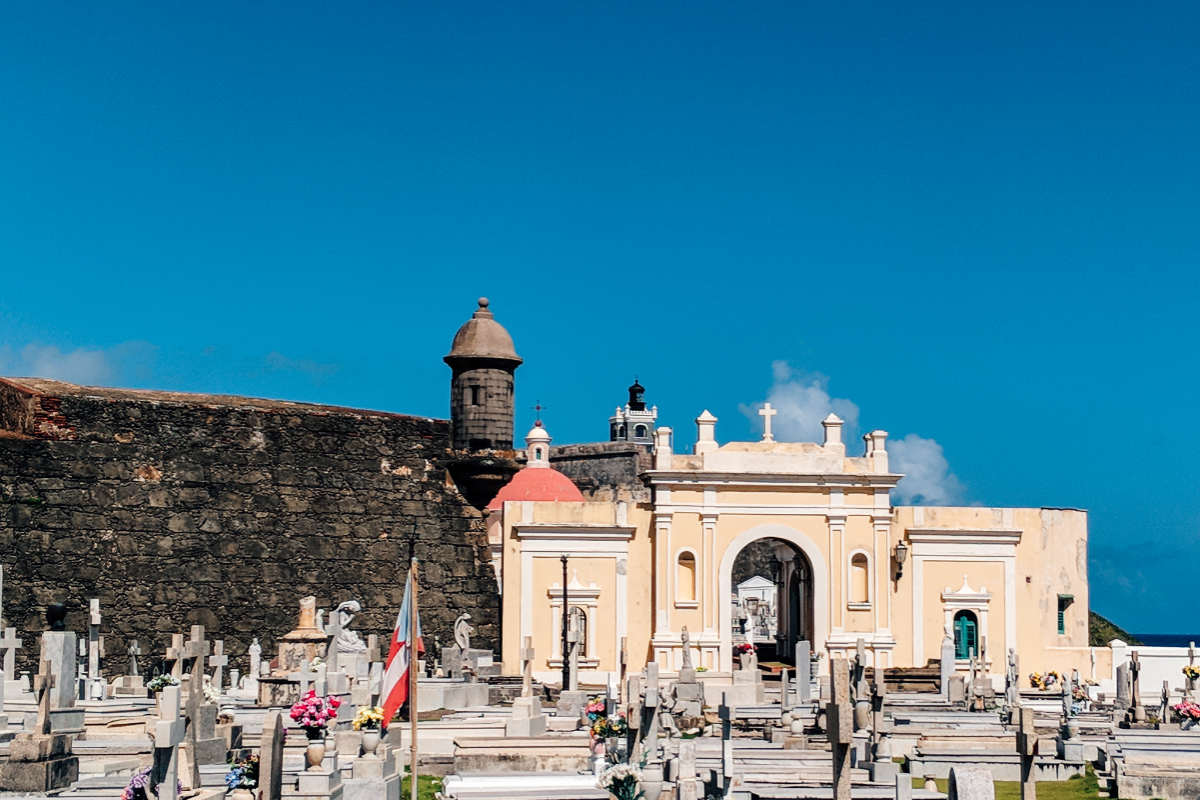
[(766, 412), (10, 644), (218, 660), (527, 655), (168, 735)]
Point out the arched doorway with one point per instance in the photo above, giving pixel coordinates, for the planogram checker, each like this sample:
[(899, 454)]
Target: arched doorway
[(772, 601), (797, 585)]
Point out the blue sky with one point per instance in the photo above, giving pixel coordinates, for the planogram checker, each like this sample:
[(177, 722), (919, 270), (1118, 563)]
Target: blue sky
[(976, 227)]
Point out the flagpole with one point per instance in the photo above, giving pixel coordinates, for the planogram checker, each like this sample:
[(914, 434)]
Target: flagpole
[(412, 682)]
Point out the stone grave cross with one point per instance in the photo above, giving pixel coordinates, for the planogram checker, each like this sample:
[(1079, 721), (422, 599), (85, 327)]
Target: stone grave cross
[(840, 726), (574, 640), (217, 661), (175, 655), (766, 412), (305, 676), (96, 690), (1136, 709), (43, 682), (1027, 739), (527, 654), (333, 629), (271, 758), (134, 651), (1164, 705), (196, 649), (9, 643), (168, 735)]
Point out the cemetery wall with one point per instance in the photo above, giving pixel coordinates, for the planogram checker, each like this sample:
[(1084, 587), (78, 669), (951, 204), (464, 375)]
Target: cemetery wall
[(179, 509)]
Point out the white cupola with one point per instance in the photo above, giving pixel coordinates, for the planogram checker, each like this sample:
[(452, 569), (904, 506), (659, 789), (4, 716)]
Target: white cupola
[(537, 449)]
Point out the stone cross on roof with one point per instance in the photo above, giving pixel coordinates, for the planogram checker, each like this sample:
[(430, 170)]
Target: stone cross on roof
[(766, 412)]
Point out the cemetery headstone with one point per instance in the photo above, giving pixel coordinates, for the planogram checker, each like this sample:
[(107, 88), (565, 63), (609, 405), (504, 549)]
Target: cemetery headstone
[(174, 655), (971, 783), (1121, 703), (527, 717), (1012, 680), (270, 755), (947, 663), (862, 701), (804, 672)]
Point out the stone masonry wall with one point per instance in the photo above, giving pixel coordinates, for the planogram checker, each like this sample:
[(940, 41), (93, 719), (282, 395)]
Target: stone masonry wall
[(178, 509)]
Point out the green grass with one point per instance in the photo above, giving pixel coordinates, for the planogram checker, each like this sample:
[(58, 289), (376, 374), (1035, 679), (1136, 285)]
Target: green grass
[(1078, 788), (427, 786)]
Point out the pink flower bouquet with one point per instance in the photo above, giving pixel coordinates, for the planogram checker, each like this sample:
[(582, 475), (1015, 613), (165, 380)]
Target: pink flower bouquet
[(314, 714)]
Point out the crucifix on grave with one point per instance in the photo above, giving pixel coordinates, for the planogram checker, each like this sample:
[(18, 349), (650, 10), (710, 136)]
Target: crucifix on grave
[(527, 654), (217, 661), (766, 412), (1137, 712), (527, 716), (574, 642)]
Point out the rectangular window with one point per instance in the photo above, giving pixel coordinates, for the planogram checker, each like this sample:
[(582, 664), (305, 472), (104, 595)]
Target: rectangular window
[(1062, 615)]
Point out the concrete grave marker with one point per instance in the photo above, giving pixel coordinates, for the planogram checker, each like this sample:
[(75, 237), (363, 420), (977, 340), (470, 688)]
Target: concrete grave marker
[(971, 783), (1027, 739), (270, 754)]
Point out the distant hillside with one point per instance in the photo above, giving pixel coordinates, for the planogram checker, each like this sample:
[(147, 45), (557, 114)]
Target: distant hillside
[(1101, 632)]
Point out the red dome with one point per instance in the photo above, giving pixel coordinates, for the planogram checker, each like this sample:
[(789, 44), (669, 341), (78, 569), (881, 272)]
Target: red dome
[(542, 484)]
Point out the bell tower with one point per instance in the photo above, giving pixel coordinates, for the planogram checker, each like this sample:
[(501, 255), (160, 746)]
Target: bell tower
[(481, 389), (634, 422)]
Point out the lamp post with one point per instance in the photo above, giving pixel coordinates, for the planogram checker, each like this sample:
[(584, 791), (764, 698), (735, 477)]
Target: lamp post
[(566, 663), (901, 553)]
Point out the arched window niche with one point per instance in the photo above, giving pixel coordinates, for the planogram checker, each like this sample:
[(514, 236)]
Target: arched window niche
[(858, 581), (685, 580)]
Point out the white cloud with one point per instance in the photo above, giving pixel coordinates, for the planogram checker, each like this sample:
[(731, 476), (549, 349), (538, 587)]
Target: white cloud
[(803, 400), (927, 479), (82, 366)]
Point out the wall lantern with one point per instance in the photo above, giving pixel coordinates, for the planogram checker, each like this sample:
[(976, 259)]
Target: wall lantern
[(900, 553), (776, 567)]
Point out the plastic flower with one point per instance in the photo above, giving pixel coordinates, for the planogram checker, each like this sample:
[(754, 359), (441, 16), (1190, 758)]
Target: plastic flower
[(368, 718), (315, 712)]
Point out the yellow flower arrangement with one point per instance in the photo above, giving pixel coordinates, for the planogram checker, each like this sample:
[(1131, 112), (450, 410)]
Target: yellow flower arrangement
[(368, 718)]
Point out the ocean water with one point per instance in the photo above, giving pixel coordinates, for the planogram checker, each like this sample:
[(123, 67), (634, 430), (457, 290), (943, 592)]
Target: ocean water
[(1167, 639)]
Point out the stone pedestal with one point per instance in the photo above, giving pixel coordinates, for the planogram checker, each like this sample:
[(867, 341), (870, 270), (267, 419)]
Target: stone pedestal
[(62, 720), (689, 694), (374, 778), (127, 686), (59, 648), (527, 719), (572, 704), (39, 764), (210, 748)]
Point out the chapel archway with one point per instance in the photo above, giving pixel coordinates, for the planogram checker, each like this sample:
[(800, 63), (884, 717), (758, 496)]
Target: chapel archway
[(800, 588), (772, 599)]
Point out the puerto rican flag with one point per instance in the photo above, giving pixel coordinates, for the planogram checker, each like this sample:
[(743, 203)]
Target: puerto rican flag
[(399, 660)]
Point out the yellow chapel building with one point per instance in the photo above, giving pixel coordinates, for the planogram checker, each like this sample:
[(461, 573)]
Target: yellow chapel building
[(846, 563)]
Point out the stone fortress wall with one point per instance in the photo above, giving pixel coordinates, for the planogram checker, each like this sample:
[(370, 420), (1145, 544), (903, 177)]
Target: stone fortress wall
[(179, 509)]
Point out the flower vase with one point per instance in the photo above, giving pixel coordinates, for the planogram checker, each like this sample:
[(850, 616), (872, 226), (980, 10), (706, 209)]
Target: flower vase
[(651, 784), (370, 742), (314, 754), (1187, 724)]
